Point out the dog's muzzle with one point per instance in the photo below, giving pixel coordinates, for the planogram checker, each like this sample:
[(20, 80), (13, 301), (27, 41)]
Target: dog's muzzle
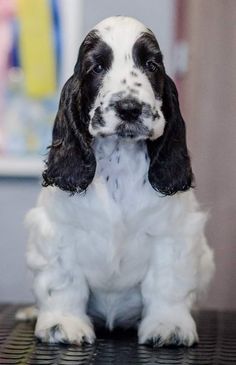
[(130, 111)]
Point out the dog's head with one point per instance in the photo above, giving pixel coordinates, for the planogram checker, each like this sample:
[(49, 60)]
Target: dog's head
[(127, 65), (119, 87)]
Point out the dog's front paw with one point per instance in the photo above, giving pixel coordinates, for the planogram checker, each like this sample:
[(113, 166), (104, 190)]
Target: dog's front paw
[(58, 328), (179, 331)]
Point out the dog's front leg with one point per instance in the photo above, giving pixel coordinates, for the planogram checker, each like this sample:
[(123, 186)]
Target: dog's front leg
[(62, 299), (168, 292)]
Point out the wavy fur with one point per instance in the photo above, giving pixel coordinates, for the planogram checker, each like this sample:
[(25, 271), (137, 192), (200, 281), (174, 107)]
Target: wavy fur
[(130, 250)]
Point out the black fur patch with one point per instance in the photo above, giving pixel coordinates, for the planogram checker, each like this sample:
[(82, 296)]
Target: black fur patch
[(117, 184), (170, 168), (97, 120), (145, 49), (134, 74), (133, 91), (147, 111), (71, 162)]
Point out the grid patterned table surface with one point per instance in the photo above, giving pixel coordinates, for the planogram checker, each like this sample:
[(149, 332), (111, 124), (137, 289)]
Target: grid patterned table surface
[(217, 331)]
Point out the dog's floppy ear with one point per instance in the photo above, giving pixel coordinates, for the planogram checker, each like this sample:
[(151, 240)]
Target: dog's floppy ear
[(170, 169), (71, 162)]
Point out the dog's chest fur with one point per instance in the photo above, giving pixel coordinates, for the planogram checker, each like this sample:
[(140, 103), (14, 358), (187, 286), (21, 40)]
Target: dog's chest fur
[(121, 189), (119, 250), (122, 167)]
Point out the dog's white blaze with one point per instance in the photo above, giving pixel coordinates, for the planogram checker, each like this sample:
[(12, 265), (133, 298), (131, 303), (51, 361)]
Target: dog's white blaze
[(120, 33)]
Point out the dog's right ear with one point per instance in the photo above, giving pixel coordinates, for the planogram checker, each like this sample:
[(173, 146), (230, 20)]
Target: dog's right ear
[(170, 166), (71, 162)]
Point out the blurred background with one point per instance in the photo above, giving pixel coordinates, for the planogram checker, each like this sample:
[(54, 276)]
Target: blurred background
[(39, 42)]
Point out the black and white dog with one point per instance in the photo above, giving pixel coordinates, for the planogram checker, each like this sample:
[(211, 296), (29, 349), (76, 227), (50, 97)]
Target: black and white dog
[(117, 235)]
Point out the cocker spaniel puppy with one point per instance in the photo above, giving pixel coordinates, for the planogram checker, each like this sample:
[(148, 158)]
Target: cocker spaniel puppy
[(117, 236)]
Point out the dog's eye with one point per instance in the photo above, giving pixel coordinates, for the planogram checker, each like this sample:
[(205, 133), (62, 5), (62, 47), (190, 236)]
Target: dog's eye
[(98, 68), (151, 66)]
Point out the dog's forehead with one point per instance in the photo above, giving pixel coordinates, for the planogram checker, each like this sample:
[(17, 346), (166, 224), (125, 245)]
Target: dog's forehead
[(120, 31)]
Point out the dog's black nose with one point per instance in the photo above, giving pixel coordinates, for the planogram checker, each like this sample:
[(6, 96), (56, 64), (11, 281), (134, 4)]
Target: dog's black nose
[(128, 109)]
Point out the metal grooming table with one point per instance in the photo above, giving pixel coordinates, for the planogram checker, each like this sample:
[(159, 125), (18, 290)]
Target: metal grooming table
[(217, 332)]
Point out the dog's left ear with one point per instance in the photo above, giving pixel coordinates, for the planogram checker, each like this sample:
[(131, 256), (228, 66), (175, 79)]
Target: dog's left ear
[(170, 168), (71, 162)]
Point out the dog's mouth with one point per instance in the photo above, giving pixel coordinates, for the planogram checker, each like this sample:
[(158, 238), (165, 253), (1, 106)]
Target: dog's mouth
[(133, 131), (124, 130)]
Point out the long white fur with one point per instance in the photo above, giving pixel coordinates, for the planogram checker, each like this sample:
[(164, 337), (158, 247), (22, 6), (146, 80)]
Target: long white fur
[(118, 252)]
